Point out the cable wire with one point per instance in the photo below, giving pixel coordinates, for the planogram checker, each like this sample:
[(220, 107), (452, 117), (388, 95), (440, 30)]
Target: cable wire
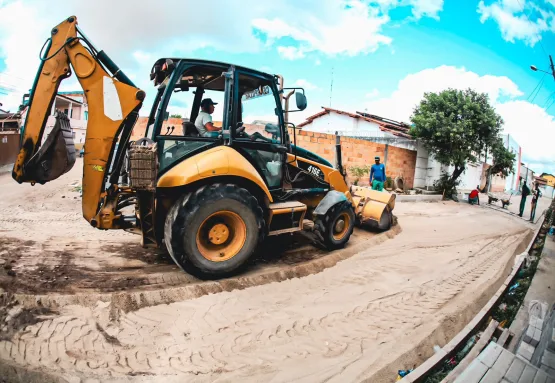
[(538, 88), (530, 21)]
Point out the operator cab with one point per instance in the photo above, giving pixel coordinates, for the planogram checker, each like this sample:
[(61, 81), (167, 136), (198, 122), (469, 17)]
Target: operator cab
[(248, 113)]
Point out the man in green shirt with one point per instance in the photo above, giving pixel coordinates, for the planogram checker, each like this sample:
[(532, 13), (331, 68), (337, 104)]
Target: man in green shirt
[(377, 175)]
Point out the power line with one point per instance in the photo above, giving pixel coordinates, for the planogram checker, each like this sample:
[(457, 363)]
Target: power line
[(546, 109), (548, 99), (538, 88), (537, 33)]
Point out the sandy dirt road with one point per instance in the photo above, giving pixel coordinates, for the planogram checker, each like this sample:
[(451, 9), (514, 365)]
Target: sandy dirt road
[(378, 311), (50, 248)]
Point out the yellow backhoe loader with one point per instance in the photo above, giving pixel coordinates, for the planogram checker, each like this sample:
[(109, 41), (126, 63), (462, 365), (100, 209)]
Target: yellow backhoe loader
[(210, 198)]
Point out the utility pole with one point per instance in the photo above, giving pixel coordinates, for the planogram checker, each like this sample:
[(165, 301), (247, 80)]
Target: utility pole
[(331, 85), (552, 67)]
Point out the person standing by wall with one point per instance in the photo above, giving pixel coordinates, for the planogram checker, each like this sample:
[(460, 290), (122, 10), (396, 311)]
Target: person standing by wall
[(377, 175), (536, 194), (525, 193)]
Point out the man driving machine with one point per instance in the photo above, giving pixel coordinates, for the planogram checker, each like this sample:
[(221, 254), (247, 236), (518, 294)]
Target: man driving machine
[(203, 123)]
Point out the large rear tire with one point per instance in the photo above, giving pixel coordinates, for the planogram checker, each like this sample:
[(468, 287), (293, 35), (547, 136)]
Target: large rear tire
[(336, 227), (212, 232)]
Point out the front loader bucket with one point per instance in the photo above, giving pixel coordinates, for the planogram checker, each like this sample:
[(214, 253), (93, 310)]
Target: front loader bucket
[(372, 207), (56, 156)]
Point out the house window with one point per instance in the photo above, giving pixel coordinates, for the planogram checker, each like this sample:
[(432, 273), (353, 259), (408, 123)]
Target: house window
[(86, 115), (66, 111), (73, 134)]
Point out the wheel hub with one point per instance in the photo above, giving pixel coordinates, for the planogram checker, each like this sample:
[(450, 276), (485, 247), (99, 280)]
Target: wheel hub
[(221, 236), (219, 233), (339, 225)]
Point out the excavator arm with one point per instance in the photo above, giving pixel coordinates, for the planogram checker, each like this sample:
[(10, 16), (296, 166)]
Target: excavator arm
[(114, 103)]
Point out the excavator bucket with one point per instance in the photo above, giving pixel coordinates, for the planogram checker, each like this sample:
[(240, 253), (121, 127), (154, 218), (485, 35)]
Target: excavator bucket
[(56, 156), (372, 207)]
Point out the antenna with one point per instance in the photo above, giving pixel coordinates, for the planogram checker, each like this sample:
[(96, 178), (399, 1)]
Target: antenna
[(331, 85)]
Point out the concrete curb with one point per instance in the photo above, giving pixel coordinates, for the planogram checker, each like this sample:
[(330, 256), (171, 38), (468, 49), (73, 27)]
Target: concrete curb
[(419, 198), (421, 372), (134, 300)]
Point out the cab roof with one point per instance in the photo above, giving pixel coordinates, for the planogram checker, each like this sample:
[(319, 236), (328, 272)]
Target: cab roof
[(208, 74)]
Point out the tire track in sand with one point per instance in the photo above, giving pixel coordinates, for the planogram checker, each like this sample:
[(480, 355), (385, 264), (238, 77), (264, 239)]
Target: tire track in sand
[(224, 337)]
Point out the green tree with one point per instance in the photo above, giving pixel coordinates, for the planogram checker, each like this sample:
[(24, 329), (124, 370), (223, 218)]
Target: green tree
[(503, 161), (456, 127), (175, 116)]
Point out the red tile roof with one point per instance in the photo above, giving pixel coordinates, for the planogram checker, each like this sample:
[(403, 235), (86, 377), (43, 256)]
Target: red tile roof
[(390, 126)]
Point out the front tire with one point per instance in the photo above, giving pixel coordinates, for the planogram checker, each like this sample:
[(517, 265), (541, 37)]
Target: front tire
[(386, 220), (336, 227), (212, 232)]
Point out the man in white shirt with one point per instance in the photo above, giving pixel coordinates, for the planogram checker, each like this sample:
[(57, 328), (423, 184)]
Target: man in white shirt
[(203, 123)]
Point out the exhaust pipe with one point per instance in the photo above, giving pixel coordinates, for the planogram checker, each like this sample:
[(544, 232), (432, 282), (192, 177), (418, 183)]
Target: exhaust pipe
[(338, 159)]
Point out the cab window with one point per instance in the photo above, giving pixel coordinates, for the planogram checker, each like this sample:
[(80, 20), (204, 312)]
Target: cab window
[(258, 120)]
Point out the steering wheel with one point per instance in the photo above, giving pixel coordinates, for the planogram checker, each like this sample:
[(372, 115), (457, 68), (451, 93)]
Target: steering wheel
[(257, 136), (240, 131)]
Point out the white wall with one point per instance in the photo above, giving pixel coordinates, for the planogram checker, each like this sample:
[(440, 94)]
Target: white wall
[(471, 176), (333, 122), (421, 171), (427, 169)]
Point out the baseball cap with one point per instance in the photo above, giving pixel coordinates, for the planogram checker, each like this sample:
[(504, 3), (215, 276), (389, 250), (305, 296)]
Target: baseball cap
[(376, 158), (207, 102)]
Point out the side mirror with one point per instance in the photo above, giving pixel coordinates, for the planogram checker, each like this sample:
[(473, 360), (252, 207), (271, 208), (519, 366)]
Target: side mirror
[(300, 99)]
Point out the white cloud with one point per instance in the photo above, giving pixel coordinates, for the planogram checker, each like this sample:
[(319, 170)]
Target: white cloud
[(530, 125), (515, 19), (350, 31), (373, 93), (317, 62), (290, 53), (305, 84), (332, 27), (410, 90), (142, 56), (420, 8), (429, 8)]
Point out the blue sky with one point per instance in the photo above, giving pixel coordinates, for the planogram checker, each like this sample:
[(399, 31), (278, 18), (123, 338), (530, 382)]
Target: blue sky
[(384, 54)]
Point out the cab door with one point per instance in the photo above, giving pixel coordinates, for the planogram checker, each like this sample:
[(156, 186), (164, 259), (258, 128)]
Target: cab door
[(258, 126)]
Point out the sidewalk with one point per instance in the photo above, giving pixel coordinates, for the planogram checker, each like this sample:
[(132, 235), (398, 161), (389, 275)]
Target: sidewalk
[(497, 365), (530, 357)]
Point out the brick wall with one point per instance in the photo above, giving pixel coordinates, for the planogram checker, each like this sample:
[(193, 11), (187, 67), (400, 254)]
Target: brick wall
[(355, 152), (140, 127)]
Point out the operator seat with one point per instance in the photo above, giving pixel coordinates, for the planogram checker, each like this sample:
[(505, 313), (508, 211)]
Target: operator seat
[(189, 129)]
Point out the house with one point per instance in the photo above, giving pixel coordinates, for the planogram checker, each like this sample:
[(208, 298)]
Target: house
[(9, 136), (394, 134), (74, 105), (545, 182), (549, 179), (526, 174), (512, 182)]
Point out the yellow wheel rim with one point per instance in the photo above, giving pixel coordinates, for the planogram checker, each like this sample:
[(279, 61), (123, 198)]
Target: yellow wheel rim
[(221, 236), (341, 226)]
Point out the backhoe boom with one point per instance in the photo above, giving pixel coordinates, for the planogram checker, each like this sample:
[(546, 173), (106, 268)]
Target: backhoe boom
[(114, 103)]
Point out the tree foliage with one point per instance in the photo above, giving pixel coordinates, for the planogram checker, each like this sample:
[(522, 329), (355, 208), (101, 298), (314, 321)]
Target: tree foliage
[(456, 127), (175, 116), (503, 159)]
